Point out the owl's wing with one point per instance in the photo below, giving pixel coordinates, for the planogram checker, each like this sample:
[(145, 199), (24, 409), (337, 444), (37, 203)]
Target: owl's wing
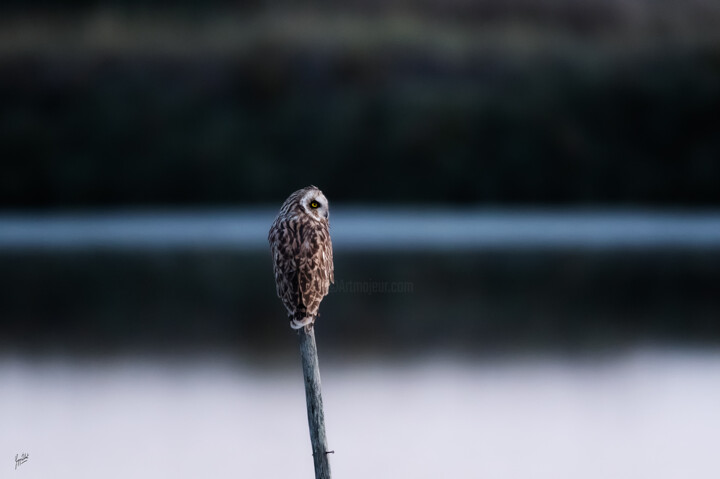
[(315, 267), (329, 254), (284, 249)]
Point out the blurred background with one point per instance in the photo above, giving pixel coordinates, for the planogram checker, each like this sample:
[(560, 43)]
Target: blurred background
[(525, 208)]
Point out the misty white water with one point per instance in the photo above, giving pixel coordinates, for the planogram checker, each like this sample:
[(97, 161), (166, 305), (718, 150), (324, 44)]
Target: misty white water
[(652, 414)]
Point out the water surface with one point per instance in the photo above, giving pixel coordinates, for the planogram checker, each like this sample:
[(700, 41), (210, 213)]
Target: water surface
[(647, 414)]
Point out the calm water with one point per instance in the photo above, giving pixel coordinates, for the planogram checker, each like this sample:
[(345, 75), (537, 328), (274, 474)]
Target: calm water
[(647, 414), (368, 228)]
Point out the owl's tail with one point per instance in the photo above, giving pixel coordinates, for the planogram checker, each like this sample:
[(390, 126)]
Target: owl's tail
[(301, 322)]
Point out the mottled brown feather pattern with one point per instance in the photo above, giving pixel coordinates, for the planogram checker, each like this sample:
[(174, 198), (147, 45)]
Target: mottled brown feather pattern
[(302, 254)]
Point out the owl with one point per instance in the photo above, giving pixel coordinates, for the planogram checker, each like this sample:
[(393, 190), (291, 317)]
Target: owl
[(302, 254)]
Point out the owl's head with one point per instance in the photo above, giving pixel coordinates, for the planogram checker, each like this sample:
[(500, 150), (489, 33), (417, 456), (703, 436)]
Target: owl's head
[(312, 202)]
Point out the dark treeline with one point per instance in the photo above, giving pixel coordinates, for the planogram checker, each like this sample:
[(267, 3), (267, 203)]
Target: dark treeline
[(395, 119), (507, 301), (113, 131)]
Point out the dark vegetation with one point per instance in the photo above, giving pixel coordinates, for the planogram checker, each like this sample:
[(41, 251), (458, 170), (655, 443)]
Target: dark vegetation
[(468, 102), (473, 303)]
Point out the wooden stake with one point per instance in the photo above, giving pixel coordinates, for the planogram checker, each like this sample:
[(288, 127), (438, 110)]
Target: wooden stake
[(313, 396)]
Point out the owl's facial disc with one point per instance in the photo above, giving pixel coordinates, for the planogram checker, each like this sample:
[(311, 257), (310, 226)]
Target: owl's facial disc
[(316, 205)]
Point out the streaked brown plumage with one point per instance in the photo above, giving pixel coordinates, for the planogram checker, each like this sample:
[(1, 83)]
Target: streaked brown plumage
[(302, 254)]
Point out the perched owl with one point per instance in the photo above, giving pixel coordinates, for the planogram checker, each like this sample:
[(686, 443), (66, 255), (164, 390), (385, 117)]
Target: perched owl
[(302, 254)]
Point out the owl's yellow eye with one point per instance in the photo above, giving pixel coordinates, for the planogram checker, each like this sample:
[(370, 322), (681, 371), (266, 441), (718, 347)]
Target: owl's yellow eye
[(314, 204)]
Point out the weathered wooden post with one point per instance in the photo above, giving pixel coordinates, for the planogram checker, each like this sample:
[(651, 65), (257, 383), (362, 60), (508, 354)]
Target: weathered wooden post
[(313, 397)]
